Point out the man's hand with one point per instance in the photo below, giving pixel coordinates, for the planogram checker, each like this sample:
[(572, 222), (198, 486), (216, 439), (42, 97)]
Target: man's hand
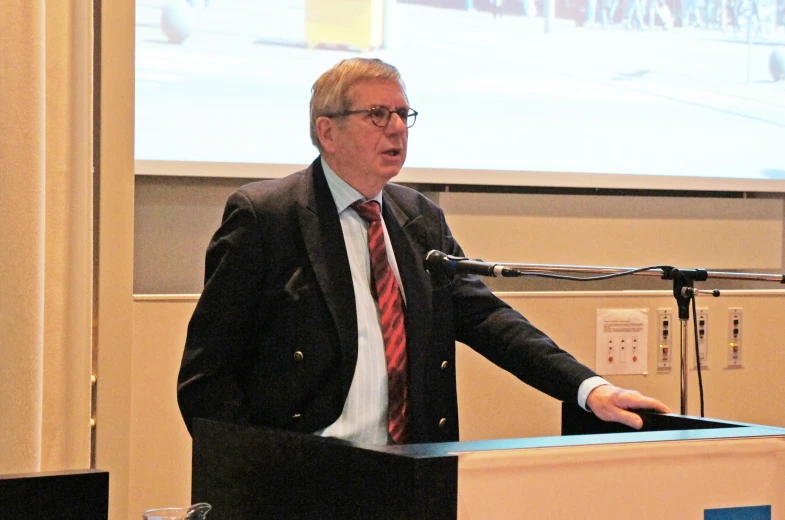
[(611, 403)]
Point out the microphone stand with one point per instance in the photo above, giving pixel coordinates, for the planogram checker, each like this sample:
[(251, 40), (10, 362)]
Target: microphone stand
[(683, 290)]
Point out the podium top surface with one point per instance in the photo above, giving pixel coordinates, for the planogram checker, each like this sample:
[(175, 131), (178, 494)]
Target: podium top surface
[(454, 448), (579, 428)]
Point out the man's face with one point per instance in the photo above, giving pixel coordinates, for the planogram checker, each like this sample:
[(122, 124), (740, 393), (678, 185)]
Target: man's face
[(368, 156)]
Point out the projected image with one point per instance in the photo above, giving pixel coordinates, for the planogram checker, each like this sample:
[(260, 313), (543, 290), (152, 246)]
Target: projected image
[(645, 87)]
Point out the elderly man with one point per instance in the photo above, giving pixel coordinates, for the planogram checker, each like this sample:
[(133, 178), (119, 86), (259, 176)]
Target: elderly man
[(317, 313)]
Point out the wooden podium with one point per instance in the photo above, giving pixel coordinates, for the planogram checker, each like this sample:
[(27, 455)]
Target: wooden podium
[(675, 467)]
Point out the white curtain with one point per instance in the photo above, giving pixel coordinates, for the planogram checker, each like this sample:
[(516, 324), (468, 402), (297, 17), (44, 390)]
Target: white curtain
[(45, 234)]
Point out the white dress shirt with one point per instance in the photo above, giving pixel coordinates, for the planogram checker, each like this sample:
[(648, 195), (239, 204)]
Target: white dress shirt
[(364, 416)]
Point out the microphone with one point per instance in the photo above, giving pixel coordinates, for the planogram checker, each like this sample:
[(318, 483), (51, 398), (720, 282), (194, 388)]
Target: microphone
[(461, 265)]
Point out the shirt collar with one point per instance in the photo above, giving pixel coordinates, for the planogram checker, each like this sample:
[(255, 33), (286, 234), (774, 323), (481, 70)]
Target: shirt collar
[(343, 194)]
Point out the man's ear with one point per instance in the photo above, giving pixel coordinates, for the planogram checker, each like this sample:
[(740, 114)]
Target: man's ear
[(325, 130)]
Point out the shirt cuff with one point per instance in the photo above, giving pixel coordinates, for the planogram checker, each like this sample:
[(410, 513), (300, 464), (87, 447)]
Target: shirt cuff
[(585, 389)]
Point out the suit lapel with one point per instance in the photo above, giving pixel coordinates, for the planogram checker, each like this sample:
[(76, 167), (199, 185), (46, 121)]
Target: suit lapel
[(405, 233), (324, 242)]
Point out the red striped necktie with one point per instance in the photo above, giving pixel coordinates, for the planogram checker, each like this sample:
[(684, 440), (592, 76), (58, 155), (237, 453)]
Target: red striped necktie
[(388, 296)]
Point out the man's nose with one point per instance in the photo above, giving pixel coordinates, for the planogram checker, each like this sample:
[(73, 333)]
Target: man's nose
[(396, 124)]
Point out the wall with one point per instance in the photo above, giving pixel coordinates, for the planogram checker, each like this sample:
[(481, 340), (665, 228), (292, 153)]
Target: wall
[(176, 216), (160, 452), (113, 221), (492, 403)]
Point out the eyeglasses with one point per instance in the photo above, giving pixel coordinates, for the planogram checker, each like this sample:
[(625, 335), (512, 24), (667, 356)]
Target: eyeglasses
[(380, 116)]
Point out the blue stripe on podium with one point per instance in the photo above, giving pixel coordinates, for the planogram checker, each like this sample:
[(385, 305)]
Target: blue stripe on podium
[(738, 513)]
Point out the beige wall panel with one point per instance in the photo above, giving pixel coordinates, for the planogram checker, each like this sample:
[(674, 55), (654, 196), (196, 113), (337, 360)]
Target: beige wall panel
[(69, 255), (175, 217), (22, 221), (493, 404), (160, 459), (618, 231), (115, 228)]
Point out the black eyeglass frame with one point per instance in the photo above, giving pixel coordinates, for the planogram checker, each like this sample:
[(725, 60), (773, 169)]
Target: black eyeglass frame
[(409, 114)]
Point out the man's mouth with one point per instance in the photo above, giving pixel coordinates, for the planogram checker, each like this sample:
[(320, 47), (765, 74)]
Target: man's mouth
[(395, 152)]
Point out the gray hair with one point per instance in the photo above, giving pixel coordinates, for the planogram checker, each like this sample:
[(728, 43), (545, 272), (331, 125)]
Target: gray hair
[(330, 93)]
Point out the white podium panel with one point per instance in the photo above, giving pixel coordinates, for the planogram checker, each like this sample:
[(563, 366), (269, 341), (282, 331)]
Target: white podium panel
[(671, 479)]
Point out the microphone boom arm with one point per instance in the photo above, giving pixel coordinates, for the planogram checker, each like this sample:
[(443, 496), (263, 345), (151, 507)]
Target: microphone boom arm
[(683, 280)]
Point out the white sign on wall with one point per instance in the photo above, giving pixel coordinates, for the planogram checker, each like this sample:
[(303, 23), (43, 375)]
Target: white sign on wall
[(622, 341)]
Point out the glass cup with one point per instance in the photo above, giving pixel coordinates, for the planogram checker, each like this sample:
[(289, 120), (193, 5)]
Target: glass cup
[(194, 512)]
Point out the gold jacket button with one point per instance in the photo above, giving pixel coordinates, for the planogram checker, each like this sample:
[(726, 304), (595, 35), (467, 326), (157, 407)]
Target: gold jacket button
[(298, 356), (444, 365), (442, 422)]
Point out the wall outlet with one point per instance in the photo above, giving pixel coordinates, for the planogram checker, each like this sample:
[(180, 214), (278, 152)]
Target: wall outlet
[(664, 339), (703, 338), (735, 337)]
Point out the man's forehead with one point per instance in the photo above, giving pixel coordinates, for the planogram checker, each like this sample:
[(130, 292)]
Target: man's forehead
[(369, 89)]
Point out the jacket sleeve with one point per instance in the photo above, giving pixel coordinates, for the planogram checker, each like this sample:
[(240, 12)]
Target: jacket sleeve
[(218, 339), (506, 338)]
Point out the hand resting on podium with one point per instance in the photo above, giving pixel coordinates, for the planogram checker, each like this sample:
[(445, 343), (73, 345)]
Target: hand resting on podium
[(614, 404)]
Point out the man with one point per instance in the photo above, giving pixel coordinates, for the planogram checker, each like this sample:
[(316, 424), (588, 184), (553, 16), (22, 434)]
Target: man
[(317, 313)]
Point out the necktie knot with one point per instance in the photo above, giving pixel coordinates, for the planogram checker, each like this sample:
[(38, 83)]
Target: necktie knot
[(369, 210)]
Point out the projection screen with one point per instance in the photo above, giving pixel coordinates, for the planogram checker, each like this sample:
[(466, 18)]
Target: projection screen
[(650, 94)]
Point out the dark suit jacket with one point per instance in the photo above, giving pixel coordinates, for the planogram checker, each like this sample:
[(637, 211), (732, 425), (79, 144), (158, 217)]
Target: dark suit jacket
[(273, 339)]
